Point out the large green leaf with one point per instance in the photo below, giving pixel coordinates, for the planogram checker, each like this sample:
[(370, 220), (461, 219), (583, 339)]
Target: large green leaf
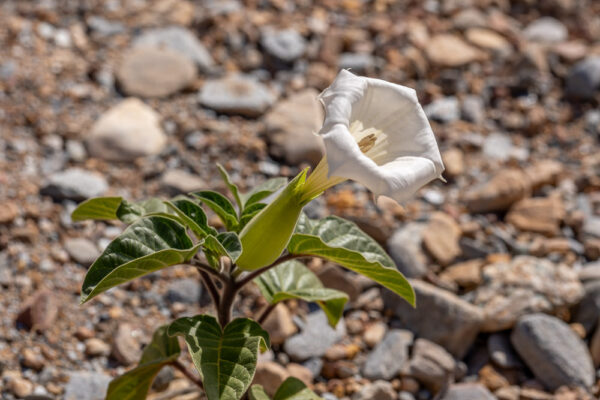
[(226, 244), (261, 191), (135, 384), (193, 216), (293, 280), (291, 389), (104, 208), (226, 359), (221, 206), (231, 186), (149, 244), (342, 242)]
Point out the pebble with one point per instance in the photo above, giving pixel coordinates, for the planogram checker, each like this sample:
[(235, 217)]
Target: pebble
[(555, 354), (583, 80), (125, 346), (315, 337), (270, 375), (454, 161), (39, 311), (236, 94), (337, 278), (466, 274), (468, 391), (498, 193), (488, 40), (472, 109), (128, 130), (32, 360), (405, 248), (86, 386), (374, 333), (431, 365), (447, 50), (452, 322), (378, 390), (155, 72), (501, 351), (444, 110), (588, 309), (284, 45), (178, 181), (441, 237), (498, 146), (74, 184), (546, 30), (8, 212), (386, 360), (20, 387), (280, 325), (358, 62), (291, 126), (539, 214), (300, 372), (180, 40), (82, 250), (95, 347), (186, 291)]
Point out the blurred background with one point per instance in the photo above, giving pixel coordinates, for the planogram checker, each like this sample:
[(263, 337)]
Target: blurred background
[(141, 98)]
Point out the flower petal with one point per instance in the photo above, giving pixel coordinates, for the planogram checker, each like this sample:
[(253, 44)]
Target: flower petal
[(338, 99)]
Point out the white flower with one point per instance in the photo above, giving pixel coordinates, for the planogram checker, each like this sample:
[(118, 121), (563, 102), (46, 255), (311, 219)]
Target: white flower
[(375, 133)]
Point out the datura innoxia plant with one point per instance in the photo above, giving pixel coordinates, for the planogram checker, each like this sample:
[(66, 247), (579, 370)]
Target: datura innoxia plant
[(375, 133)]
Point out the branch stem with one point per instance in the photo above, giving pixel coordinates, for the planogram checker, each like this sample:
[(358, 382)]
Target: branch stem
[(212, 289), (250, 276), (265, 313), (188, 374)]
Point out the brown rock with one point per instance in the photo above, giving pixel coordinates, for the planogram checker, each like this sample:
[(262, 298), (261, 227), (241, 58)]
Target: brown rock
[(178, 181), (465, 274), (448, 50), (280, 325), (32, 360), (539, 214), (20, 387), (8, 212), (488, 40), (270, 375), (491, 378), (374, 334), (508, 393), (125, 346), (595, 347), (95, 347), (543, 173), (431, 365), (454, 161), (592, 248), (441, 236), (499, 193), (534, 394), (301, 372), (40, 311), (336, 278)]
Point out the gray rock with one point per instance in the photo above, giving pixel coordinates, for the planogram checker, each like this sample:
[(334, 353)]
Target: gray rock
[(588, 310), (128, 130), (154, 72), (102, 27), (74, 184), (590, 272), (473, 109), (498, 146), (236, 94), (291, 125), (163, 379), (315, 338), (178, 39), (468, 391), (553, 351), (86, 386), (378, 390), (187, 291), (177, 181), (76, 150), (501, 351), (546, 30), (405, 248), (524, 285), (443, 110), (451, 322), (359, 62), (285, 45), (388, 357), (583, 80), (82, 250), (431, 365)]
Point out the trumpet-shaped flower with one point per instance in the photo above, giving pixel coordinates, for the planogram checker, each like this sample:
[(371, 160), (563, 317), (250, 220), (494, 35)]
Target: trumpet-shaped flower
[(375, 133)]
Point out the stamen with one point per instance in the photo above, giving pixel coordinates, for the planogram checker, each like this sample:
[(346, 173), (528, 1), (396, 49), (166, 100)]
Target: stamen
[(367, 142)]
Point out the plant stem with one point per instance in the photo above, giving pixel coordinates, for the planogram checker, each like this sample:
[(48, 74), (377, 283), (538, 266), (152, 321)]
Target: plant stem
[(212, 289), (224, 310), (250, 277), (188, 374), (265, 313), (209, 270)]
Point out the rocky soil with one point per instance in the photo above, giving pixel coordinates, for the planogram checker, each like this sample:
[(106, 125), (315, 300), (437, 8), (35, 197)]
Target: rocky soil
[(140, 98)]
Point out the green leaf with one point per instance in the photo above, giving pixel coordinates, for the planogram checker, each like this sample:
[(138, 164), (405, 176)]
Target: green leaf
[(193, 216), (221, 206), (263, 190), (291, 389), (293, 280), (226, 244), (249, 213), (342, 242), (103, 208), (232, 186), (149, 244), (226, 359), (135, 384)]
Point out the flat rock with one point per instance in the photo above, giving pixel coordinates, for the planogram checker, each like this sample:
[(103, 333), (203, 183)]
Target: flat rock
[(431, 365), (186, 290), (82, 250), (291, 126), (465, 274), (522, 286), (74, 184), (86, 386), (451, 322), (378, 390), (315, 338), (125, 345), (553, 351), (405, 248), (177, 39), (546, 30), (441, 237), (539, 214), (447, 50), (270, 375), (337, 278), (236, 94), (126, 131), (39, 311), (285, 45), (488, 40), (499, 193), (583, 80), (178, 181), (386, 360), (468, 391), (280, 325), (147, 71)]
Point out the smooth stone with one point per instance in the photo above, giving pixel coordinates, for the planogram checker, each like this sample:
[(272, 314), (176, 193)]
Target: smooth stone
[(129, 130), (270, 375), (583, 80), (488, 40), (236, 94), (405, 248), (386, 360), (499, 192), (280, 325), (186, 290), (74, 184), (588, 309), (538, 214), (546, 30), (82, 250), (378, 390), (441, 237), (86, 386), (285, 45), (444, 110), (359, 62), (473, 109), (498, 146), (291, 125), (447, 50), (468, 391), (431, 364), (315, 337), (180, 40), (451, 322), (125, 346), (501, 351), (178, 181), (553, 352), (39, 311), (155, 72)]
